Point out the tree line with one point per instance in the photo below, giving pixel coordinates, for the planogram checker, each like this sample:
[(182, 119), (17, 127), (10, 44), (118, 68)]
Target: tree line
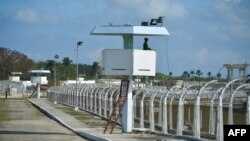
[(66, 70), (15, 61), (193, 75)]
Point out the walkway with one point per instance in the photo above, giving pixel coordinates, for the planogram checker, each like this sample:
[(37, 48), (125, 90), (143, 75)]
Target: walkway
[(21, 121), (90, 126)]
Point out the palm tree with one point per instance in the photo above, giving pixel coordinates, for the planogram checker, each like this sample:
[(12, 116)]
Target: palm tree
[(209, 74), (50, 66), (218, 75), (192, 73), (199, 73), (185, 74), (66, 63), (170, 74), (96, 69)]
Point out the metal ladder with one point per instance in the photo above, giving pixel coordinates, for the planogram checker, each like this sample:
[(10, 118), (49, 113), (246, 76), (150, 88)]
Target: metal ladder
[(32, 94), (118, 106)]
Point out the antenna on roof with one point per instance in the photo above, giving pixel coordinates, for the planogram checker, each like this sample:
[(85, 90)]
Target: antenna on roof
[(158, 21), (110, 23), (154, 22)]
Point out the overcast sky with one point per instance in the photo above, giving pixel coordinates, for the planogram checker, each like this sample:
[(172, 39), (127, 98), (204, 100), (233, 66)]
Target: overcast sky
[(204, 34)]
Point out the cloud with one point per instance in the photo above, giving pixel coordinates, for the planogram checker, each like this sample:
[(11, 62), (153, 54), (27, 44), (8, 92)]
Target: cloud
[(232, 13), (240, 31), (230, 20), (204, 56), (127, 4), (176, 10), (27, 16), (149, 8), (205, 59), (224, 57), (31, 16), (233, 1), (218, 32)]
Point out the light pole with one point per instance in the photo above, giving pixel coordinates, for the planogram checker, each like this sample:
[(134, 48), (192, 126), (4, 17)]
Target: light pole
[(56, 57), (76, 103)]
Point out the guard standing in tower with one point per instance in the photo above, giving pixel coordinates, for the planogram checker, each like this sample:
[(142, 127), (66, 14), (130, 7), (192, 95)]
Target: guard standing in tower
[(145, 44)]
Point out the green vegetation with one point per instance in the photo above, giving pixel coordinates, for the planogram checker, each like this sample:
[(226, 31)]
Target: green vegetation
[(3, 112), (85, 117), (14, 61), (77, 114)]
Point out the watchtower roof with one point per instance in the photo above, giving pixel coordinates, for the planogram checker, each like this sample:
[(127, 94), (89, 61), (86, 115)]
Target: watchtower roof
[(39, 71), (120, 30)]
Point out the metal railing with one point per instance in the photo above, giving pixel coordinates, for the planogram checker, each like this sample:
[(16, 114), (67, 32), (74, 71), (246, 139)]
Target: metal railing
[(187, 110)]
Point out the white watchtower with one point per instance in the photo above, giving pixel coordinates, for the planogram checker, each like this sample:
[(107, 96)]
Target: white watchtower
[(128, 61), (15, 76), (39, 77)]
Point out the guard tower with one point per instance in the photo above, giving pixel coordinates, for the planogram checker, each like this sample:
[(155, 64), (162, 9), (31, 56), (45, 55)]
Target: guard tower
[(241, 67), (15, 76), (40, 78), (128, 61)]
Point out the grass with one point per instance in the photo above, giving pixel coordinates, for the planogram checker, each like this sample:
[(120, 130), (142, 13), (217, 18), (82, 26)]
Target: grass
[(85, 117), (81, 115), (3, 112)]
